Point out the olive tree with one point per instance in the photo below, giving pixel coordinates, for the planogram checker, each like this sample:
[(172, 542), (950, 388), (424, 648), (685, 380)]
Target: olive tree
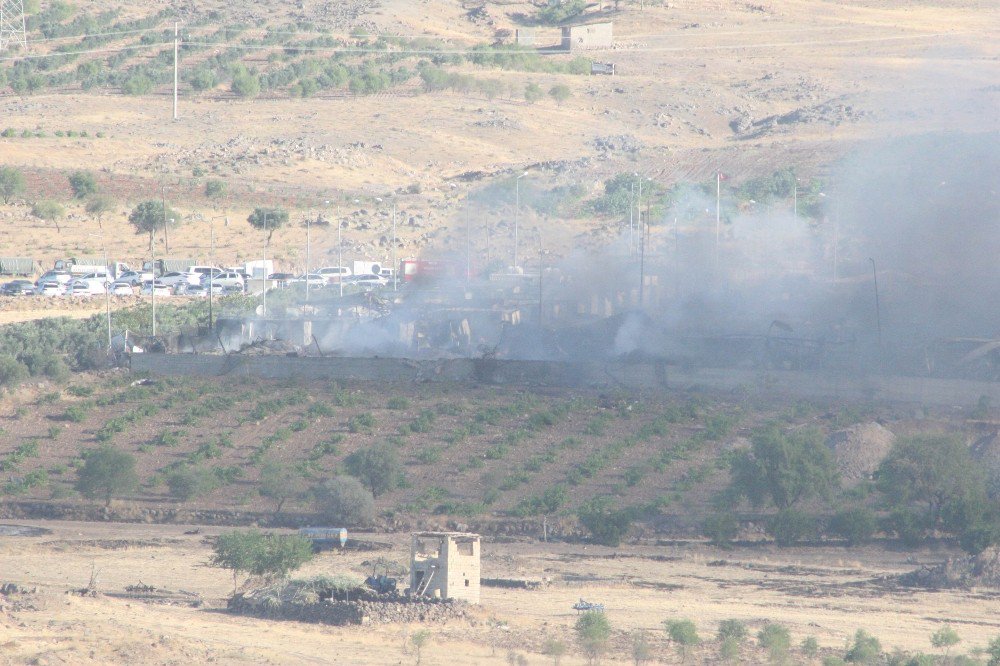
[(378, 467), (106, 472), (593, 631), (11, 183), (268, 219), (98, 206), (50, 211), (83, 184), (344, 500), (253, 553), (151, 215)]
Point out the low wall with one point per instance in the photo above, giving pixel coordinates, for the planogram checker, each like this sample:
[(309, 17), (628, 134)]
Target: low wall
[(633, 376)]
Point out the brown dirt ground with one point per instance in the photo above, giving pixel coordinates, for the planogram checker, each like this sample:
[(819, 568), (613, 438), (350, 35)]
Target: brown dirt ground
[(823, 592)]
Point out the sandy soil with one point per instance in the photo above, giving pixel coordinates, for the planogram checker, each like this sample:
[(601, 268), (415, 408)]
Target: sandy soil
[(823, 592)]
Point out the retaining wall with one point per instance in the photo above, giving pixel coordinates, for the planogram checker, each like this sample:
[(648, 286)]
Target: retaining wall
[(644, 376)]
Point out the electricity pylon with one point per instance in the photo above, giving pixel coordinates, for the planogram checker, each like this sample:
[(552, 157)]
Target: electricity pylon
[(12, 24)]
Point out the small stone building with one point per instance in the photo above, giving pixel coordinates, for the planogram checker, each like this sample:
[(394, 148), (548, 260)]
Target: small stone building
[(587, 36), (445, 565)]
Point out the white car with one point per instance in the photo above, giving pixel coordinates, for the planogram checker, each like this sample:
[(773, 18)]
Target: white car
[(314, 280), (51, 289), (226, 279), (84, 288), (367, 280), (175, 277), (157, 288), (59, 277), (121, 288), (334, 274)]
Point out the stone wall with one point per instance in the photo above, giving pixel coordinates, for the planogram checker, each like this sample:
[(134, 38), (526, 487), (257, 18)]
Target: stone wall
[(353, 612), (632, 376)]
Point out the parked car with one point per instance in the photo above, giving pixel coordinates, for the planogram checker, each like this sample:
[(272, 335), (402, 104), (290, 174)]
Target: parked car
[(134, 278), (228, 291), (51, 289), (60, 277), (334, 274), (204, 271), (84, 288), (157, 288), (367, 280), (189, 290), (176, 277), (282, 279), (18, 288), (119, 288), (314, 279), (225, 279), (215, 289)]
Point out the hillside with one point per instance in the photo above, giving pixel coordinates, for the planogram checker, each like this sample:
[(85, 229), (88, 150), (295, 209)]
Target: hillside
[(467, 452), (377, 98)]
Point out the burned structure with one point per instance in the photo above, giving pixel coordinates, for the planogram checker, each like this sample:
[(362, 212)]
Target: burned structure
[(445, 565)]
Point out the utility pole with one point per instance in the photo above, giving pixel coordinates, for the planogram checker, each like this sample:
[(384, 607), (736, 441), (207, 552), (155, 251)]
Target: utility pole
[(176, 39), (718, 211), (638, 204), (308, 249), (263, 272), (517, 210), (340, 252), (211, 275), (631, 215), (163, 203), (395, 268), (152, 283), (878, 311), (12, 24)]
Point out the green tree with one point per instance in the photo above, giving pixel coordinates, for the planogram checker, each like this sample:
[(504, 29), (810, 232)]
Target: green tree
[(11, 183), (267, 556), (606, 524), (245, 83), (203, 78), (560, 93), (732, 629), (593, 631), (856, 525), (930, 482), (343, 500), (149, 216), (215, 189), (137, 84), (560, 12), (98, 206), (642, 650), (50, 211), (866, 649), (378, 467), (782, 468), (281, 482), (268, 219), (993, 650), (83, 183), (187, 482), (555, 648), (532, 93), (106, 472), (684, 634), (946, 638), (775, 639), (419, 639)]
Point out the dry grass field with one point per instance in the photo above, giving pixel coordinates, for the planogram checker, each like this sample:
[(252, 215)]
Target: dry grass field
[(826, 593)]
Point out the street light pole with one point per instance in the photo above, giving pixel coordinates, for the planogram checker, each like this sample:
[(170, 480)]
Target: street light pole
[(395, 268), (263, 272), (878, 311), (340, 252), (175, 69), (308, 249), (517, 210), (163, 203)]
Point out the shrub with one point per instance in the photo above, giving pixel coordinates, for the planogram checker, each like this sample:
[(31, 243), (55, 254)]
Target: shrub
[(866, 649), (729, 650), (642, 651), (734, 629), (12, 371), (855, 525), (683, 633), (810, 646), (280, 483), (137, 84), (593, 632), (606, 524), (790, 526), (775, 639), (343, 500), (397, 402), (106, 472), (377, 466), (532, 93), (245, 83), (721, 529), (11, 182), (993, 650), (560, 93), (945, 637), (187, 483), (257, 554), (83, 184)]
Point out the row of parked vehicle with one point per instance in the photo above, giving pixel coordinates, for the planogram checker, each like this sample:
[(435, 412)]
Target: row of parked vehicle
[(195, 281)]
